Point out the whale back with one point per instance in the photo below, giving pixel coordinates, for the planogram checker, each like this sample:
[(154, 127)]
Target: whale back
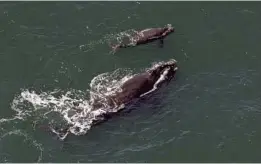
[(134, 87), (152, 32)]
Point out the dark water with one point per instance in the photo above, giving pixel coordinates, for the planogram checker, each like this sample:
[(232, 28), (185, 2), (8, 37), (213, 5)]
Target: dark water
[(209, 113)]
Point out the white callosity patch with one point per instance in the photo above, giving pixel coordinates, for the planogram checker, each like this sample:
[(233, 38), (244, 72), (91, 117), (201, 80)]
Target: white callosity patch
[(162, 78)]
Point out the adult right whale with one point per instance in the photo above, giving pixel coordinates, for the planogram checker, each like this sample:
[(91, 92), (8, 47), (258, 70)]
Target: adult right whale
[(139, 85)]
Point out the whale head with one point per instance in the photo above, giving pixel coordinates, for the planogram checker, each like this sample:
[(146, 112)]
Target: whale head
[(163, 71), (168, 29)]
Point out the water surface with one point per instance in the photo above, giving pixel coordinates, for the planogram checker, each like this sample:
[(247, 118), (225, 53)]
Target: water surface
[(209, 113)]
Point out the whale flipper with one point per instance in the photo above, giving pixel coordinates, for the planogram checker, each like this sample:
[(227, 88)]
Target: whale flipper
[(161, 43)]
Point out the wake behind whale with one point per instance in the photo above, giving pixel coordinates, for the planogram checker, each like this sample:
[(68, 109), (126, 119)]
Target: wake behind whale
[(75, 111)]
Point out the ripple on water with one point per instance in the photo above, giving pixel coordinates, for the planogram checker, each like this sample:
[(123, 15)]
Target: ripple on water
[(27, 145)]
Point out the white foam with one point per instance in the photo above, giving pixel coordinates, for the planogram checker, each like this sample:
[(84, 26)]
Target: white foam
[(73, 108), (111, 39), (79, 118)]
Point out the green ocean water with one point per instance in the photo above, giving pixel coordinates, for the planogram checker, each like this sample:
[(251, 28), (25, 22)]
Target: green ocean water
[(210, 112)]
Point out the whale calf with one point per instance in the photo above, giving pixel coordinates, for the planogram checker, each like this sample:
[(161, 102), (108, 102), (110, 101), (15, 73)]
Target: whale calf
[(145, 36)]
